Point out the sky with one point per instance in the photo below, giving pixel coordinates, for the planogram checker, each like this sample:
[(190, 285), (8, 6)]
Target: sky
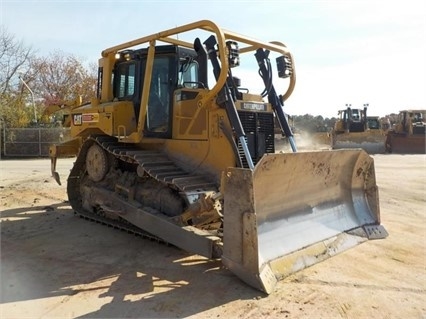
[(345, 51)]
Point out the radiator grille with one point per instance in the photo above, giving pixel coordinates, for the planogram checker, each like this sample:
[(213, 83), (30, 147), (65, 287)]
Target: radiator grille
[(259, 129)]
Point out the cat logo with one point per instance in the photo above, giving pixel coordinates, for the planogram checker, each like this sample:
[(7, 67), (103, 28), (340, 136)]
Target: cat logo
[(254, 106), (77, 119)]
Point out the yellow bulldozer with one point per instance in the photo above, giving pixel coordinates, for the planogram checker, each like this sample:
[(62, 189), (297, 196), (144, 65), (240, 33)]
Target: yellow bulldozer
[(173, 147), (408, 134), (354, 129)]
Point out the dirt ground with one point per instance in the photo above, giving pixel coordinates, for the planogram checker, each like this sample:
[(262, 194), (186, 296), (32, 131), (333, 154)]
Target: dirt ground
[(56, 265)]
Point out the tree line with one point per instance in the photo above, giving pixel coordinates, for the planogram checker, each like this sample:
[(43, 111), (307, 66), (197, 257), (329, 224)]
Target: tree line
[(29, 82)]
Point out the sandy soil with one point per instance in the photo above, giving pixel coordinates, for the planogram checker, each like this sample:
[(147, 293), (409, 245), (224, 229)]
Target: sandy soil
[(56, 265)]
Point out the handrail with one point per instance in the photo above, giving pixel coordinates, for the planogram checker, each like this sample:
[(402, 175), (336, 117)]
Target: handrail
[(222, 36)]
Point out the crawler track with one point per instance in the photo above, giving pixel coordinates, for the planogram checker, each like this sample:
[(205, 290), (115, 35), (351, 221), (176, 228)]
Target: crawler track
[(151, 162)]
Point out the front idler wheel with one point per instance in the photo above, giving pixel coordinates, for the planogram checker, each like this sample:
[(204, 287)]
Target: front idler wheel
[(96, 163)]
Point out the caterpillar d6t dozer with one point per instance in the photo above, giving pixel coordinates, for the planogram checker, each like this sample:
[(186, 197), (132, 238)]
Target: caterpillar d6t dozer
[(354, 129), (168, 152), (408, 135)]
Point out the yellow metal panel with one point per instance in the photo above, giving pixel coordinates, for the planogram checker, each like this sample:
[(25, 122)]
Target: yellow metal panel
[(105, 117), (209, 157), (190, 120)]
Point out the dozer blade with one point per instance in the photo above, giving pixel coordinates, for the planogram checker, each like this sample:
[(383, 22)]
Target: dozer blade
[(294, 210), (373, 142), (406, 144)]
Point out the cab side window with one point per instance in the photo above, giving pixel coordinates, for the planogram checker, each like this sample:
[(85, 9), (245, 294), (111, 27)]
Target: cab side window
[(125, 84), (188, 74)]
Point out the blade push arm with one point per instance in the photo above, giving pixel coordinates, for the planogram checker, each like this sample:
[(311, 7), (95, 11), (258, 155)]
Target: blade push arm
[(228, 102), (273, 98)]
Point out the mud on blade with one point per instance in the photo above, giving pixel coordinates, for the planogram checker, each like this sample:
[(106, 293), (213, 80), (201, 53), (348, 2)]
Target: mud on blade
[(294, 210)]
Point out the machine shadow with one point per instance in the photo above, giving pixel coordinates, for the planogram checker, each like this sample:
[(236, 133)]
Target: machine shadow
[(47, 251)]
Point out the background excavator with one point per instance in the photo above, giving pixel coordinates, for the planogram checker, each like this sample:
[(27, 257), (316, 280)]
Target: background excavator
[(354, 129), (408, 135), (175, 149)]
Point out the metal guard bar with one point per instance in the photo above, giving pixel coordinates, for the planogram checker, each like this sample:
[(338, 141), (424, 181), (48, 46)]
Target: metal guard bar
[(222, 36)]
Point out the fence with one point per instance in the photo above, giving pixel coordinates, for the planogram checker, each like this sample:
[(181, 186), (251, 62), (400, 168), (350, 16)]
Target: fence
[(31, 142)]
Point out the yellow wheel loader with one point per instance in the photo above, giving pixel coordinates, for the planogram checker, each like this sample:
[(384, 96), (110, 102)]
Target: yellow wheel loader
[(175, 148), (354, 129), (408, 135)]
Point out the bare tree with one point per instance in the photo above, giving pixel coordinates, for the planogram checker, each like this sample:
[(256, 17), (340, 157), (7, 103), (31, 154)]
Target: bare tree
[(15, 57)]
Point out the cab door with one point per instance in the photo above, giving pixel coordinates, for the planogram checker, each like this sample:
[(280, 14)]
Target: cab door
[(158, 121)]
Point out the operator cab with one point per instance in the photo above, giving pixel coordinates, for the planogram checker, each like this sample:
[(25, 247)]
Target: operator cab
[(356, 115), (354, 120), (173, 67), (418, 117)]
